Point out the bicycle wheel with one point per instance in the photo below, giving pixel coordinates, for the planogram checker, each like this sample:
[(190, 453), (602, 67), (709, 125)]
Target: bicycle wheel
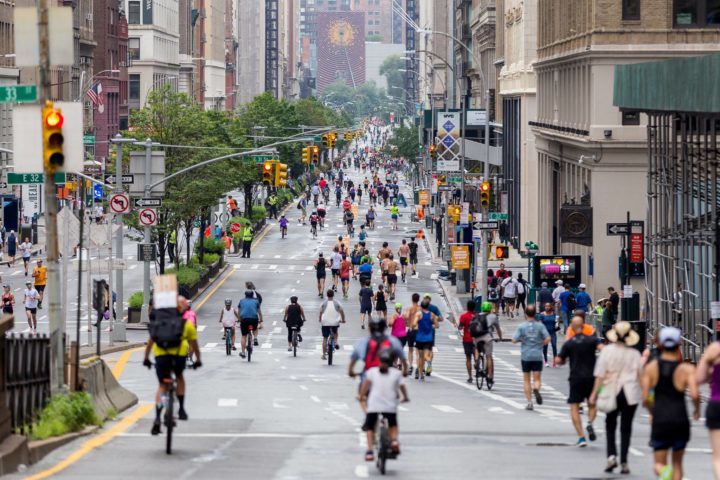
[(249, 343), (169, 421), (295, 342), (480, 371), (228, 342), (330, 348), (383, 447)]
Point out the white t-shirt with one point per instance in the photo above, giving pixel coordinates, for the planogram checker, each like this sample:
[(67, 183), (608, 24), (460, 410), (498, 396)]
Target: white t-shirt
[(228, 317), (330, 314), (26, 248), (510, 287), (556, 293), (384, 390), (335, 258), (31, 298)]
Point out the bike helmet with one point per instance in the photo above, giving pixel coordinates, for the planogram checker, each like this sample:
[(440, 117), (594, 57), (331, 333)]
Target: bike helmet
[(228, 301), (486, 307), (377, 325), (293, 299), (386, 356)]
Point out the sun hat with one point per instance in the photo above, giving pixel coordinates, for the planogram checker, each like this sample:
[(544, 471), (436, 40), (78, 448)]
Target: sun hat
[(622, 332)]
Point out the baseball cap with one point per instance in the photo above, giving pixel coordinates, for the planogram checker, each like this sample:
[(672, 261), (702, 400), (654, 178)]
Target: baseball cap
[(543, 284), (398, 306), (558, 282), (582, 285), (427, 295), (669, 337), (28, 282)]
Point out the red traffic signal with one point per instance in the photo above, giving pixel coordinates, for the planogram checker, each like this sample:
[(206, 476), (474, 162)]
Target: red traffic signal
[(54, 118)]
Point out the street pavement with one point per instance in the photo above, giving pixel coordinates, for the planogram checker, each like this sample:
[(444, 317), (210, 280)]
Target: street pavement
[(280, 417)]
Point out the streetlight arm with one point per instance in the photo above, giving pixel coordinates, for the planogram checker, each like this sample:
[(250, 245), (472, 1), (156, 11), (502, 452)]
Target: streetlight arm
[(470, 52)]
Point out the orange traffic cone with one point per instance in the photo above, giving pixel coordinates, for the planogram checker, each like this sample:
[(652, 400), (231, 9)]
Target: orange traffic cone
[(420, 235)]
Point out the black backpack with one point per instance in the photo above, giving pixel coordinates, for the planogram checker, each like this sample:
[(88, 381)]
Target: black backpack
[(571, 303), (166, 329), (479, 325)]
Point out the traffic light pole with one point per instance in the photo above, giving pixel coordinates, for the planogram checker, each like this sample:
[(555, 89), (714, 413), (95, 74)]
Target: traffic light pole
[(144, 314)]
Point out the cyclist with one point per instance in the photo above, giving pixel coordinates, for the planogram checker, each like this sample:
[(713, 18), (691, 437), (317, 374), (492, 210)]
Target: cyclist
[(320, 265), (330, 318), (346, 204), (229, 317), (370, 218), (368, 348), (313, 223), (394, 213), (294, 317), (349, 218), (321, 216), (250, 317), (338, 194), (315, 191), (171, 359), (485, 341), (283, 226), (380, 393)]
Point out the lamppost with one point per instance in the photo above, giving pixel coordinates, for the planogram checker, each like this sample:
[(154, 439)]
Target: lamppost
[(532, 249)]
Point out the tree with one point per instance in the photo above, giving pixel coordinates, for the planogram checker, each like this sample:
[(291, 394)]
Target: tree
[(404, 143), (390, 68)]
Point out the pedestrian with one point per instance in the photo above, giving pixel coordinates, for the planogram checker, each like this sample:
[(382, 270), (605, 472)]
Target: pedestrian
[(504, 232), (232, 206), (608, 319), (567, 306), (493, 294), (439, 317), (30, 299), (708, 371), (380, 302), (25, 252), (463, 324), (366, 296), (582, 299), (321, 264), (617, 390), (501, 273), (11, 248), (272, 204), (99, 213), (548, 319), (8, 301), (559, 288), (580, 350), (509, 293), (614, 303), (664, 382), (522, 288), (345, 268), (398, 328), (247, 239), (531, 335), (544, 296), (172, 245), (678, 304), (40, 275)]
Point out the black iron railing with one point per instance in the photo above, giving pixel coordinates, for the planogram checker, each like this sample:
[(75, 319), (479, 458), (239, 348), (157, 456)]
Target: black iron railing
[(27, 368)]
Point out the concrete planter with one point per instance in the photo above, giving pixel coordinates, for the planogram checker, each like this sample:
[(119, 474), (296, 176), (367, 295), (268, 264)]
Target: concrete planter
[(134, 314)]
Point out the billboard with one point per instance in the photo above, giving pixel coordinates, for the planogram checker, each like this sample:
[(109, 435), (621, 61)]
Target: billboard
[(559, 267), (340, 48)]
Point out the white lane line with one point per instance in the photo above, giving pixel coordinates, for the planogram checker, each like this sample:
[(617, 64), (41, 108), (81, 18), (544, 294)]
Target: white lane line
[(276, 256), (499, 398), (403, 409), (266, 345), (362, 471), (201, 328), (303, 387), (273, 267), (237, 266), (211, 345), (308, 268), (500, 410), (315, 399), (446, 408), (274, 322), (453, 337), (636, 452), (255, 267), (278, 402), (221, 435), (227, 402), (276, 330)]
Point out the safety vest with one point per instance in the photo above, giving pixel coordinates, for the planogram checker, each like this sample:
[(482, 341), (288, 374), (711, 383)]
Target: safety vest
[(272, 200), (247, 234)]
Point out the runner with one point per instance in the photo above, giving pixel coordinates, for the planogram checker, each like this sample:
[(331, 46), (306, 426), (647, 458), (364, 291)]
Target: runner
[(398, 328), (391, 267), (531, 335), (320, 265), (345, 268), (30, 299), (708, 371), (394, 214), (366, 296), (547, 318), (509, 293), (380, 302), (425, 323), (25, 251), (409, 315), (403, 253), (463, 325), (40, 275), (8, 301), (438, 315), (335, 260), (413, 256)]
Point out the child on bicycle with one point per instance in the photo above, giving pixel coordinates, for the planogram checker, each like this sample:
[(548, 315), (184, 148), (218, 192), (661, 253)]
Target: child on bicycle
[(380, 393), (229, 316)]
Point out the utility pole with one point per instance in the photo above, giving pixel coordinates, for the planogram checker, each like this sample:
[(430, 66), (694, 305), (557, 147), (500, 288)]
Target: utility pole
[(144, 314), (118, 333)]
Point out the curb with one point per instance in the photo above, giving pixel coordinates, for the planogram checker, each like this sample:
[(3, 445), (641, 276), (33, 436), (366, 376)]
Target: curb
[(114, 348), (38, 449)]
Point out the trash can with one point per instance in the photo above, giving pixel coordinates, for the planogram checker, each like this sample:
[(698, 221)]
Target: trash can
[(640, 326), (453, 278)]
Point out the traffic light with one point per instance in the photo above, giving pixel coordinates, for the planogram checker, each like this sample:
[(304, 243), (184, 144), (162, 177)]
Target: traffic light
[(267, 173), (315, 154), (442, 180), (306, 155), (280, 174), (326, 140), (454, 212), (348, 136), (53, 139), (433, 150), (332, 136), (501, 251), (485, 194)]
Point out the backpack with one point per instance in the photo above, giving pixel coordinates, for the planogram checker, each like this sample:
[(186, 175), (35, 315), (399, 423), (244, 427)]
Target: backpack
[(479, 325), (375, 344), (166, 329), (520, 287), (571, 303)]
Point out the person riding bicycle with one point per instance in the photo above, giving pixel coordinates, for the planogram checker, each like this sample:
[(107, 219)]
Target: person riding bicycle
[(348, 218), (330, 318), (338, 194), (315, 191), (283, 224), (250, 317), (313, 223), (483, 338), (229, 317), (346, 204), (381, 391), (170, 359), (294, 318), (368, 348), (321, 215)]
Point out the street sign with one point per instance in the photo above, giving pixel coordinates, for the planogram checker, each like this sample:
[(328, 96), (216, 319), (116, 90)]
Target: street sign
[(119, 203), (148, 217), (88, 139), (111, 179), (446, 188), (617, 229), (26, 178), (235, 227), (137, 170), (18, 93), (262, 158), (148, 202), (498, 216), (424, 197), (460, 257), (146, 252), (486, 225), (3, 184)]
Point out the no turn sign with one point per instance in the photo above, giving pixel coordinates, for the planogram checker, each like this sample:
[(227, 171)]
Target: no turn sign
[(148, 217), (119, 203)]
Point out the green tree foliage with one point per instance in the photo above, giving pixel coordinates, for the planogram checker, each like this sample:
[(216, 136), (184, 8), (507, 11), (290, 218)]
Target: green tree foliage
[(404, 143), (390, 68)]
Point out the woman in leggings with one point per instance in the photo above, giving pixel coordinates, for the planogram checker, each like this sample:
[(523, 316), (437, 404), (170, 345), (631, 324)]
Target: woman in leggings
[(708, 371)]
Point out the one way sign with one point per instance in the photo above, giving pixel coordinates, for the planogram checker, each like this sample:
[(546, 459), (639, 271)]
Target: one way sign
[(148, 202), (110, 179), (617, 229)]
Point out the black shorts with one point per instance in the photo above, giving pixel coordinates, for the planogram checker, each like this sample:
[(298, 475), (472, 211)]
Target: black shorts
[(674, 445), (403, 261), (372, 418), (712, 415), (326, 330), (469, 348), (165, 364), (31, 310), (320, 275), (335, 272), (366, 309), (423, 345), (403, 340), (26, 260), (580, 389), (531, 366), (411, 338), (246, 323), (392, 278), (40, 288), (413, 260)]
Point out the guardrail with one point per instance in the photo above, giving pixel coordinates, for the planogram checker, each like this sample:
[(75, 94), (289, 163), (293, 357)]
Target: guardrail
[(27, 369)]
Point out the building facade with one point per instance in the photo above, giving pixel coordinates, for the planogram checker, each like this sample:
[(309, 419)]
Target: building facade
[(251, 61), (340, 49), (214, 54)]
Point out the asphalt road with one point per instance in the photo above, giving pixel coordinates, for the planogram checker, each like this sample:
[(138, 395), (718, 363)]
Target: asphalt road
[(290, 418)]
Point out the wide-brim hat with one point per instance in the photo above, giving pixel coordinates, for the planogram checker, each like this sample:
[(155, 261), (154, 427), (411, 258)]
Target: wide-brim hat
[(622, 332)]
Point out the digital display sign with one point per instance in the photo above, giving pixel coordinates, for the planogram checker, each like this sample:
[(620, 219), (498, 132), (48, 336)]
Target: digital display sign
[(561, 267)]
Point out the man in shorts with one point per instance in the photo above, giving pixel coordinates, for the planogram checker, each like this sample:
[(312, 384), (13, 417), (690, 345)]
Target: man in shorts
[(40, 275), (486, 341), (580, 350), (331, 316), (31, 298), (403, 253), (321, 265), (366, 295), (413, 246), (531, 335), (509, 293), (410, 315), (250, 317), (391, 269), (335, 261)]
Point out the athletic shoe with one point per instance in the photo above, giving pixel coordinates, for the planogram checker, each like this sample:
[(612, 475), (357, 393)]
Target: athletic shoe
[(241, 355), (666, 473), (581, 442), (611, 464), (155, 428), (625, 469), (182, 415), (255, 342), (234, 347), (591, 432), (417, 374), (369, 456), (469, 380), (289, 349), (529, 406), (538, 397)]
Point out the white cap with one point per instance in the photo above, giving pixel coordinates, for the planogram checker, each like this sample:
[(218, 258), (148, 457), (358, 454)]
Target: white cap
[(558, 282), (582, 286)]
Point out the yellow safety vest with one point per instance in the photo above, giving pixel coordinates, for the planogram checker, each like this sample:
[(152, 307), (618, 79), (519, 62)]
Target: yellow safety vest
[(247, 235)]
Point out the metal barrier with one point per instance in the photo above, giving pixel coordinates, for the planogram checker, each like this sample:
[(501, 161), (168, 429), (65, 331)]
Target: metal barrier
[(27, 369)]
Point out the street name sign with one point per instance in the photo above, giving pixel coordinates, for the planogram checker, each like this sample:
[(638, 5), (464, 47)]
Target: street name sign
[(498, 216), (18, 93), (148, 202), (28, 178), (111, 179), (615, 229), (486, 225)]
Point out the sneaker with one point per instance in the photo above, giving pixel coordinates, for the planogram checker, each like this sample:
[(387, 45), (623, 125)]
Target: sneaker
[(554, 365), (410, 370), (611, 464), (155, 428), (369, 456), (538, 397), (469, 380), (581, 442), (529, 406), (255, 342), (490, 383), (182, 415), (625, 469), (591, 432), (417, 374), (362, 326), (547, 365), (324, 357), (337, 346), (241, 355), (234, 347), (299, 338), (395, 447), (289, 349), (666, 473)]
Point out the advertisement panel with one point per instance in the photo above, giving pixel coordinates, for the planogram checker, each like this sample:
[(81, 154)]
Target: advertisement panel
[(460, 257), (567, 268), (448, 148)]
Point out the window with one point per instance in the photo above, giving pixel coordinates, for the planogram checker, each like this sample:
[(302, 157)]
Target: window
[(631, 10), (696, 13), (134, 48), (134, 79), (134, 12)]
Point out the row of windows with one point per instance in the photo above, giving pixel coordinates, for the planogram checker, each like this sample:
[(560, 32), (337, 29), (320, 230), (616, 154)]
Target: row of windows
[(686, 13), (164, 13)]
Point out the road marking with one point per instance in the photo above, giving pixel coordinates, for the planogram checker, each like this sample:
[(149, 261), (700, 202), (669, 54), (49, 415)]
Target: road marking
[(303, 387), (315, 399), (266, 345), (500, 410), (453, 337), (362, 471), (493, 396), (201, 328), (96, 441), (403, 409), (636, 452), (222, 435), (255, 267), (274, 322), (227, 402), (119, 367), (273, 267), (211, 345), (446, 408)]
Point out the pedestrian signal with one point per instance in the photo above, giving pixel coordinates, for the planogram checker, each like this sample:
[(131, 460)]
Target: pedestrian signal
[(502, 251)]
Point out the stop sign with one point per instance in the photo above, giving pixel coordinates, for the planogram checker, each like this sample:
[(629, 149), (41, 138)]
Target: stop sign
[(235, 227)]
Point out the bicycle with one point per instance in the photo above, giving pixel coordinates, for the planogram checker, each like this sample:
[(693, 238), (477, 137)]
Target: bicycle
[(481, 368), (313, 230), (249, 338), (350, 230), (294, 342), (283, 232), (228, 340), (382, 443), (330, 347)]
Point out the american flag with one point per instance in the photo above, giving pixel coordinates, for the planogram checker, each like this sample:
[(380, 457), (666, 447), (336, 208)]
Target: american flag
[(96, 95)]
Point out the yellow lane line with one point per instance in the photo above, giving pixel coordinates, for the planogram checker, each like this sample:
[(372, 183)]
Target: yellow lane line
[(119, 367), (214, 289), (96, 441)]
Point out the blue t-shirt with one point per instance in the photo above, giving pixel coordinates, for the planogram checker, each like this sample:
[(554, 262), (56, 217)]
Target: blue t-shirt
[(248, 308), (547, 320), (564, 299), (435, 310), (365, 268), (425, 328), (531, 336), (582, 300)]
